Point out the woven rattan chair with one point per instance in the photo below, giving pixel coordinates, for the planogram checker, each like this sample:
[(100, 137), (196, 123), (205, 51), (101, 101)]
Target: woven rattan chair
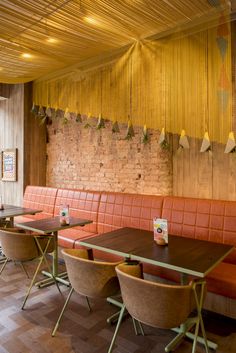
[(92, 279), (162, 305), (21, 247)]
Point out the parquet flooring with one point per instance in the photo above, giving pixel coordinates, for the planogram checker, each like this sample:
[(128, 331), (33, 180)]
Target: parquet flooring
[(81, 331)]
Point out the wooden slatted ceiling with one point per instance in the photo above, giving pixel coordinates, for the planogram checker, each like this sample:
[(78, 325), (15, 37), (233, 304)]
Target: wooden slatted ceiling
[(82, 29)]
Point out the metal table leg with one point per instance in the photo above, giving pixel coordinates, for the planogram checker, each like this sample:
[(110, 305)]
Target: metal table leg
[(60, 277), (182, 329)]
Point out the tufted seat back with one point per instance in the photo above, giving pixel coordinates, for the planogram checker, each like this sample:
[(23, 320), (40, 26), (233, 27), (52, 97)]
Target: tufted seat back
[(117, 210), (82, 204), (40, 198), (211, 220)]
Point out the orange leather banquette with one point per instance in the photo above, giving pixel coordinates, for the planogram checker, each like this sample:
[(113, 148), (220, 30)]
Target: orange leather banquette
[(198, 218), (40, 198)]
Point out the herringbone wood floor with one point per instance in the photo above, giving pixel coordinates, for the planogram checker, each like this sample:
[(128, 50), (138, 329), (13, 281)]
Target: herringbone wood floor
[(81, 331)]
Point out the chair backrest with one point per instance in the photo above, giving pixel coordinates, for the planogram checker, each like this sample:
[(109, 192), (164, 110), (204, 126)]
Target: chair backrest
[(18, 246), (156, 304), (88, 277)]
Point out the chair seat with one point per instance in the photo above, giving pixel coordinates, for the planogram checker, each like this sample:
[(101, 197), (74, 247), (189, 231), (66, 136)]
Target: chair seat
[(222, 280), (67, 238)]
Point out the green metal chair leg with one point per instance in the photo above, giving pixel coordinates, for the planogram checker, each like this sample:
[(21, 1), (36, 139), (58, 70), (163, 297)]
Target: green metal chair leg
[(24, 269), (117, 329), (89, 306), (138, 330), (135, 327), (62, 312), (3, 266), (32, 282), (141, 328)]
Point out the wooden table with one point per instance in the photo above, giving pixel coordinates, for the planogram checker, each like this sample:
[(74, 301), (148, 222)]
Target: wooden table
[(185, 255), (10, 211), (52, 226)]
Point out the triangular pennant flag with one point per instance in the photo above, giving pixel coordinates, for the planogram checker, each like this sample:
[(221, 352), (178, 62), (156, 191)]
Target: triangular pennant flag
[(206, 145), (100, 123), (223, 97), (230, 145), (41, 112), (115, 127), (163, 140), (130, 131), (88, 123), (145, 137), (67, 114), (78, 118), (222, 45), (49, 112), (35, 109), (66, 117), (214, 3), (162, 136), (183, 141), (223, 80)]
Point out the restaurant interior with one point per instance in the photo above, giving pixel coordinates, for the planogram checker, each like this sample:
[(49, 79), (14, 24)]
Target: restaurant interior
[(118, 169)]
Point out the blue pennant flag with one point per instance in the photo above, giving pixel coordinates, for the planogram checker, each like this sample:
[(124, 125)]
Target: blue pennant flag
[(222, 45), (214, 3), (223, 97)]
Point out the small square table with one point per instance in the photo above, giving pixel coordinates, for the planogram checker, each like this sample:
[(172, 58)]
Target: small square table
[(10, 211), (52, 226)]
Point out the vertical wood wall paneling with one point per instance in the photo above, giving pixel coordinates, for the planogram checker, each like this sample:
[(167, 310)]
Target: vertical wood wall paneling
[(4, 91), (198, 174), (233, 49), (192, 170), (11, 136), (34, 144), (19, 129)]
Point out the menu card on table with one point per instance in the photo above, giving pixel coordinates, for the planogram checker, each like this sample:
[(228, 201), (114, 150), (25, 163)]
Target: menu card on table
[(64, 215), (160, 228)]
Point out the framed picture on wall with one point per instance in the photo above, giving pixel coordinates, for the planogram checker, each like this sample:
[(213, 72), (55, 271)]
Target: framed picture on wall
[(9, 164)]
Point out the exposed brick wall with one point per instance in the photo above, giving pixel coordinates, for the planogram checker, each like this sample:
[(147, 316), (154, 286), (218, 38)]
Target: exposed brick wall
[(100, 160)]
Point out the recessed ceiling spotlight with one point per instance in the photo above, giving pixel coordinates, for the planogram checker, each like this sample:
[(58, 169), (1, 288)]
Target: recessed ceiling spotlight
[(26, 55), (91, 20), (51, 40)]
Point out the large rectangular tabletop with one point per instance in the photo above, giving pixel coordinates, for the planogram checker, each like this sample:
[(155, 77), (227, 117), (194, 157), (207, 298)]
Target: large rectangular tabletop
[(52, 225), (11, 211), (185, 255)]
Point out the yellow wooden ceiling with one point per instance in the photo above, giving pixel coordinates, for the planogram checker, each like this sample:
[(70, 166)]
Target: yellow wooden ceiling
[(53, 34)]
